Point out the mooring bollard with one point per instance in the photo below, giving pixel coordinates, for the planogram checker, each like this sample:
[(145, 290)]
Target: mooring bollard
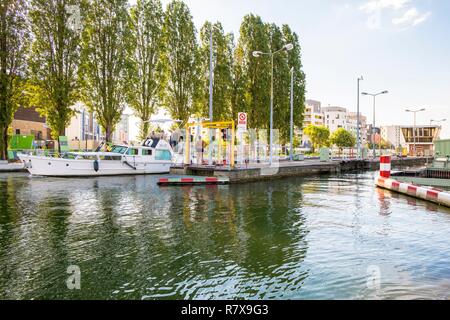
[(385, 166)]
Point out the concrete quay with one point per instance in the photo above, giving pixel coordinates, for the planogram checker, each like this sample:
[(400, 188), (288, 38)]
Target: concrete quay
[(283, 169)]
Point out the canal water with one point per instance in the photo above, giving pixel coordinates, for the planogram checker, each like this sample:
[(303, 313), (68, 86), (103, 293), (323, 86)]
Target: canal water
[(327, 237)]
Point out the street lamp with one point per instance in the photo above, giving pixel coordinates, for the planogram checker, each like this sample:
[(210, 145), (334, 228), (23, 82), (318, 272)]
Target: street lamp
[(258, 54), (437, 121), (358, 136), (291, 153), (374, 95), (211, 76), (414, 127)]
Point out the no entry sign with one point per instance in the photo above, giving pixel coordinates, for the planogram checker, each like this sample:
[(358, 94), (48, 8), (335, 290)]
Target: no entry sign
[(242, 121)]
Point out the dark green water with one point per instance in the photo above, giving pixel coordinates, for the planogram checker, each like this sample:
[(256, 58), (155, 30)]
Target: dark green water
[(311, 238)]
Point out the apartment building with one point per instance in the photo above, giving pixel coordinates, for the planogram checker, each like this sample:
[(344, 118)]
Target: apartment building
[(404, 137)]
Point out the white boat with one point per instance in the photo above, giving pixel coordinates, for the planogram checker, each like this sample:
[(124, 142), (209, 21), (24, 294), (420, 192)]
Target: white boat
[(153, 157)]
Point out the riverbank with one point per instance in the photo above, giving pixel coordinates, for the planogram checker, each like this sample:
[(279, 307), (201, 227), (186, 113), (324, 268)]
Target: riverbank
[(294, 169)]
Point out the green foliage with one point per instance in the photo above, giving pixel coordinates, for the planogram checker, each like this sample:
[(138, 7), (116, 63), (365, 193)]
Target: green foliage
[(222, 68), (319, 136), (295, 62), (251, 90), (180, 58), (297, 142), (144, 57), (14, 41), (104, 61), (146, 82), (54, 62), (342, 138), (253, 94)]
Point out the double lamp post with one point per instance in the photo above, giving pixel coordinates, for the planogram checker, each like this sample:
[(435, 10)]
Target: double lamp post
[(258, 54)]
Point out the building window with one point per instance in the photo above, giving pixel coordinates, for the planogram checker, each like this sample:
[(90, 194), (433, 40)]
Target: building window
[(17, 131)]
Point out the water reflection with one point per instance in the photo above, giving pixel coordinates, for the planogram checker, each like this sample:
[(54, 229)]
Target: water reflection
[(293, 238)]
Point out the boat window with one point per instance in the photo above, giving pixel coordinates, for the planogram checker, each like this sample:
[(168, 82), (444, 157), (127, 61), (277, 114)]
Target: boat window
[(146, 152), (132, 152), (86, 157), (118, 149), (111, 158), (163, 155), (68, 156)]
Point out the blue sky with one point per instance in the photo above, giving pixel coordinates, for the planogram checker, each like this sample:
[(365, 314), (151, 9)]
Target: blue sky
[(397, 45)]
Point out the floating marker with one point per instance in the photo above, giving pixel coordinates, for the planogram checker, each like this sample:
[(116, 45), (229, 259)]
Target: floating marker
[(193, 181), (429, 194)]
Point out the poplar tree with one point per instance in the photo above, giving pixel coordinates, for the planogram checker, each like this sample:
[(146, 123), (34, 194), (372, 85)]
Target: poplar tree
[(146, 77), (14, 41), (54, 60), (253, 96), (181, 55), (105, 66), (295, 61), (222, 71), (282, 83)]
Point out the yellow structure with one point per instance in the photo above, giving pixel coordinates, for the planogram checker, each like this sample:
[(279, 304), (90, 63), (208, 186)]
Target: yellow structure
[(211, 125)]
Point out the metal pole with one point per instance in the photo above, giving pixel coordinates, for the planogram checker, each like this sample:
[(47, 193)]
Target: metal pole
[(358, 138), (210, 92), (291, 155), (374, 128), (414, 133), (271, 113)]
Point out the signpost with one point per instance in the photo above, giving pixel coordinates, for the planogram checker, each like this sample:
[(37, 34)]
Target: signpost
[(241, 128), (242, 121)]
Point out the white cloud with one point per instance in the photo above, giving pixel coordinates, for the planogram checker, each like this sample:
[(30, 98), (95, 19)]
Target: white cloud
[(412, 17), (376, 9), (377, 5)]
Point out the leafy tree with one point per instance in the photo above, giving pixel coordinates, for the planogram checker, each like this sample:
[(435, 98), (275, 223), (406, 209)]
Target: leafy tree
[(295, 62), (282, 84), (54, 60), (222, 69), (253, 74), (342, 138), (105, 66), (146, 78), (14, 40), (180, 61), (319, 136)]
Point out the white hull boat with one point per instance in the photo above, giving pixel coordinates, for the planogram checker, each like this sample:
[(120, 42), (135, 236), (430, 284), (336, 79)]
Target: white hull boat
[(153, 157)]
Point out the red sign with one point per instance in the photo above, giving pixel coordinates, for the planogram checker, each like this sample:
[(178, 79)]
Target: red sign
[(242, 120)]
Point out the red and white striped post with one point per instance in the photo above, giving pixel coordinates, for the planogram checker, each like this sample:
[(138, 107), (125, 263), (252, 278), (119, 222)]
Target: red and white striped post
[(385, 166)]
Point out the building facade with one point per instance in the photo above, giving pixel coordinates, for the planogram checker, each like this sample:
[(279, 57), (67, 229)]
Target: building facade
[(333, 117), (403, 137), (313, 116), (27, 121)]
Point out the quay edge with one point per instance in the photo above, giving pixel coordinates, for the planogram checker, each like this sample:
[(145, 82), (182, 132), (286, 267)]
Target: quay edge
[(294, 169)]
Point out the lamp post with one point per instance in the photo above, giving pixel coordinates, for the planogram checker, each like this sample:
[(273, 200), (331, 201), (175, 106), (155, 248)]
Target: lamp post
[(291, 153), (374, 95), (211, 81), (257, 54), (414, 127), (358, 136)]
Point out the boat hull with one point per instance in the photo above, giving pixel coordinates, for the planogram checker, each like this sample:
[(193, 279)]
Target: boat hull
[(59, 167)]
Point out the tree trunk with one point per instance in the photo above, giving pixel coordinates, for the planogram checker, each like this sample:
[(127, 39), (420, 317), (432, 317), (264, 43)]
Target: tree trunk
[(61, 132), (108, 133), (144, 129), (3, 142)]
